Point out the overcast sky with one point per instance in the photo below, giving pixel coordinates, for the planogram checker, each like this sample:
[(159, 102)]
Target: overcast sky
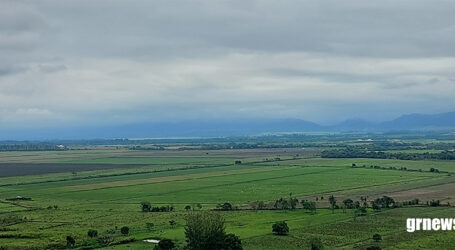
[(106, 61)]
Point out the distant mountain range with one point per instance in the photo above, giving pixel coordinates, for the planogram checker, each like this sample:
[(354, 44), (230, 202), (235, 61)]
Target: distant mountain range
[(421, 121), (240, 127), (406, 122)]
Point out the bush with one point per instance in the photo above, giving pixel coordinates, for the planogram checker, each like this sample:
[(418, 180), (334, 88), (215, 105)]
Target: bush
[(125, 230), (316, 244), (165, 244), (377, 237), (373, 248), (280, 228), (361, 211), (162, 209), (232, 242), (146, 206), (309, 205), (105, 239), (70, 241), (92, 233), (225, 206)]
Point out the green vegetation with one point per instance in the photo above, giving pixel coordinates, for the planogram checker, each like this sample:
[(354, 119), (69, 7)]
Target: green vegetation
[(280, 228), (248, 197), (206, 231), (362, 153)]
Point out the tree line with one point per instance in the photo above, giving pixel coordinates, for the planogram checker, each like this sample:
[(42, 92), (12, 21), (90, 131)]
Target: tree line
[(31, 147), (358, 153)]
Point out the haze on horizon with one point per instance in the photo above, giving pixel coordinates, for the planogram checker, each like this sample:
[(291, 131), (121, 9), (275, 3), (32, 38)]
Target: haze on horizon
[(101, 62)]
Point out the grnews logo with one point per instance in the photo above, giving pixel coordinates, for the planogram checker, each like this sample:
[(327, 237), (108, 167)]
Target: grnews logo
[(426, 224)]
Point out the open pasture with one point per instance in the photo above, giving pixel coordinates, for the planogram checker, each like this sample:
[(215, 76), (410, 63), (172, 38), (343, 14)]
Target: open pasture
[(106, 199)]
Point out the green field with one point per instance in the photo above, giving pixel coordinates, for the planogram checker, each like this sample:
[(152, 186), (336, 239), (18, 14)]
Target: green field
[(110, 198)]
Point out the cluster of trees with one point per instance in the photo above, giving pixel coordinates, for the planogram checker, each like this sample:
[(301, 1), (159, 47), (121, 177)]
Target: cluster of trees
[(162, 209), (147, 207), (309, 205), (434, 203), (359, 206), (350, 152), (432, 170), (383, 202), (104, 240), (350, 204), (258, 205), (31, 147), (250, 145), (388, 202), (273, 159), (381, 145), (138, 147), (412, 202), (285, 204)]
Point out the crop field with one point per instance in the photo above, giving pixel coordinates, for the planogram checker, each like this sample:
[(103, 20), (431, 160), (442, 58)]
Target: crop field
[(45, 196)]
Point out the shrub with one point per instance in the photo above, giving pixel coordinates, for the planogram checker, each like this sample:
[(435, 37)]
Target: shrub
[(232, 242), (377, 237), (105, 239), (70, 241), (361, 211), (165, 244), (92, 233), (309, 205), (225, 206), (125, 230), (316, 244), (373, 248), (162, 209), (280, 228), (146, 206)]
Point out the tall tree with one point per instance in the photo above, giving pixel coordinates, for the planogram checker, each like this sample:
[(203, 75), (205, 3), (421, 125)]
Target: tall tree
[(204, 231), (333, 202)]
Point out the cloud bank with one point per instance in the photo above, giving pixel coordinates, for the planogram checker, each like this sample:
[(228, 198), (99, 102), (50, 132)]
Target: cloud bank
[(100, 62)]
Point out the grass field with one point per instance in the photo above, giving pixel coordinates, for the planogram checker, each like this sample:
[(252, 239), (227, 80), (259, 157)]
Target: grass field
[(109, 198)]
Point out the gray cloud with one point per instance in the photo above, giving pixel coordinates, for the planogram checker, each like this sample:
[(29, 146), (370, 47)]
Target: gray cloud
[(114, 61)]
